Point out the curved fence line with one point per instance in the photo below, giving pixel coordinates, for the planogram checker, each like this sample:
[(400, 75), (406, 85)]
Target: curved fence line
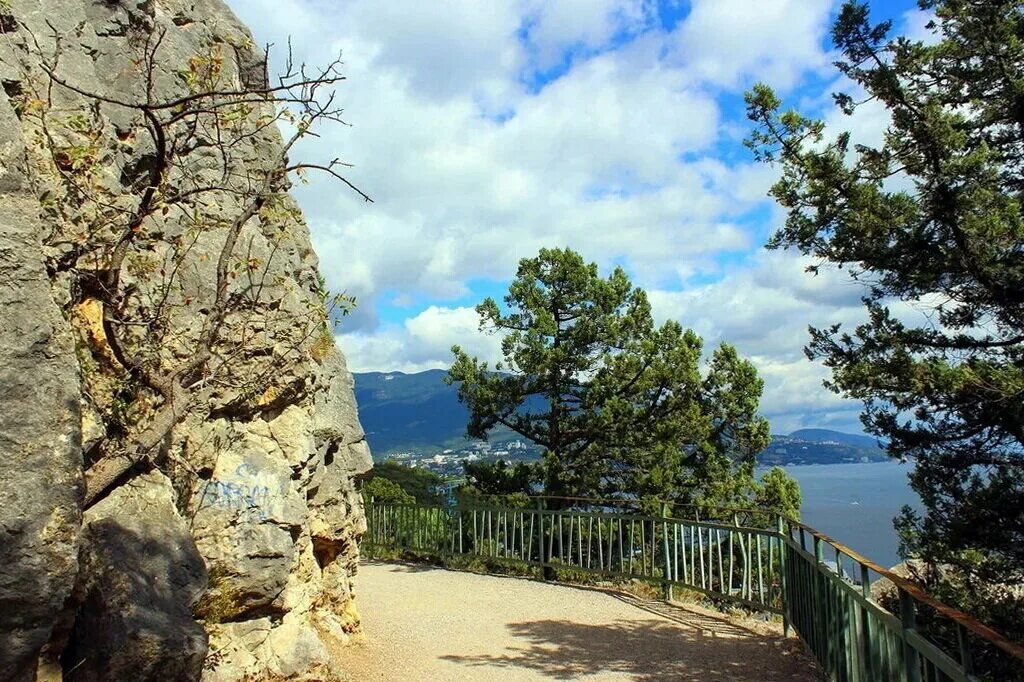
[(819, 587)]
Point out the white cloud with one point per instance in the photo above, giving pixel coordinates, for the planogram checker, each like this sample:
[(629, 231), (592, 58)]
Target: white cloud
[(730, 41), (764, 309), (587, 25), (915, 26), (437, 50), (472, 169), (422, 342), (591, 162)]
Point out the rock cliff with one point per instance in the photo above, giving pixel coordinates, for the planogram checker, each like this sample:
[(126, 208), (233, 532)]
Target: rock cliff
[(227, 550)]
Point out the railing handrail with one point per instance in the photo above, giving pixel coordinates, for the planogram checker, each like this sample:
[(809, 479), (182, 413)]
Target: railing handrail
[(902, 583), (919, 594), (912, 589), (626, 500)]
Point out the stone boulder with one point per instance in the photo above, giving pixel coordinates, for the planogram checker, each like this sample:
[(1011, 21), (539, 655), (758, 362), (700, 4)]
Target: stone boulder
[(141, 576), (278, 520), (40, 427)]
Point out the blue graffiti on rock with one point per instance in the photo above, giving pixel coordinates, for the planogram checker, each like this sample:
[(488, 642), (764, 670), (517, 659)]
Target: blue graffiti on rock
[(242, 497)]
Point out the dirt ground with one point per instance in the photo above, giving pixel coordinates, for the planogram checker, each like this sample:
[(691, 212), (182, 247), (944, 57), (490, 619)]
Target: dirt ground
[(426, 623)]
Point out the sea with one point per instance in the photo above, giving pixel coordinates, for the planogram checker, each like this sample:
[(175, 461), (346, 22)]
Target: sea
[(856, 504)]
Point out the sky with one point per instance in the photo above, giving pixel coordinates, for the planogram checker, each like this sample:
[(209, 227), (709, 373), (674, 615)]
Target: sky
[(485, 130)]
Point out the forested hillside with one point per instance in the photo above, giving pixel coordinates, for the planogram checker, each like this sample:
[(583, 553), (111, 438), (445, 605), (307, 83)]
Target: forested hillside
[(419, 413)]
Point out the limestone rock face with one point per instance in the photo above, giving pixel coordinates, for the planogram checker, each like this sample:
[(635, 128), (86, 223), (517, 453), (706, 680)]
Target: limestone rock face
[(231, 555), (140, 578), (40, 428), (278, 521)]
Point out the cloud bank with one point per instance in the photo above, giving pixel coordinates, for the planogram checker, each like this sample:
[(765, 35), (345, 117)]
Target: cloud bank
[(486, 130)]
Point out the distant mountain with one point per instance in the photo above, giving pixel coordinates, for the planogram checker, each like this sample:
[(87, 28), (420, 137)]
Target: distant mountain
[(827, 435), (418, 413), (402, 412), (414, 413), (821, 446)]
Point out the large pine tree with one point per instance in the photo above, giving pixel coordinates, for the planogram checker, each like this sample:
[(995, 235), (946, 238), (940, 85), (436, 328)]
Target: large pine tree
[(930, 215), (619, 404)]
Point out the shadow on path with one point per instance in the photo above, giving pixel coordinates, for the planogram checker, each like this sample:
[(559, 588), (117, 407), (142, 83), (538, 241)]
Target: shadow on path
[(712, 624), (647, 652), (400, 566), (434, 624)]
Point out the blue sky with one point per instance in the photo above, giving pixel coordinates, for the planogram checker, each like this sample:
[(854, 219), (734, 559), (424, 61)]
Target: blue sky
[(485, 130)]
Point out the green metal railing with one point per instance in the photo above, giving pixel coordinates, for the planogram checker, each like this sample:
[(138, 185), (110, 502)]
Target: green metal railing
[(819, 587)]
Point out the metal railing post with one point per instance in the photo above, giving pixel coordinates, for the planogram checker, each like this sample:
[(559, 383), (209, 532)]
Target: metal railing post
[(820, 607), (668, 561), (965, 649), (780, 525), (908, 619), (867, 646), (540, 538)]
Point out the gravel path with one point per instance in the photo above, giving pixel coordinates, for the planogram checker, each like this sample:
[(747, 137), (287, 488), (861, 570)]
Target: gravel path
[(425, 623)]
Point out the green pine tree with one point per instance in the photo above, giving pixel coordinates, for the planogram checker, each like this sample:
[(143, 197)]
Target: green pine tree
[(502, 478), (619, 404), (931, 215)]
